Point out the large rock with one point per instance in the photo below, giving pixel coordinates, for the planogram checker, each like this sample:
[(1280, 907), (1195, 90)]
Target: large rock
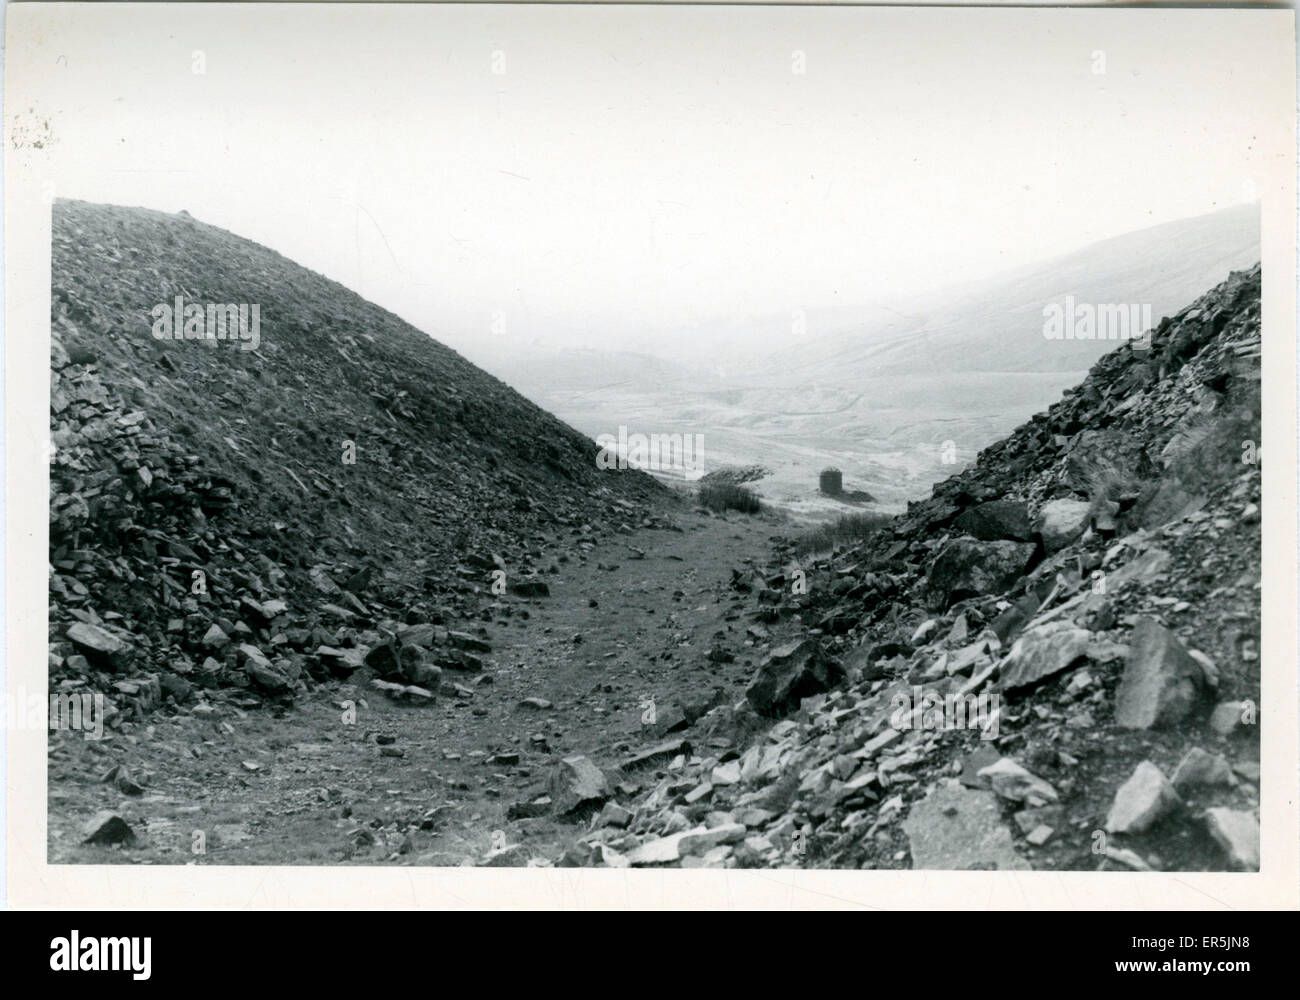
[(1062, 521), (261, 671), (577, 782), (215, 637), (1142, 801), (1229, 716), (967, 567), (341, 662), (1042, 652), (700, 841), (1161, 680), (1238, 834), (790, 673), (996, 520), (1199, 769), (423, 634), (660, 753), (406, 662), (530, 588), (99, 646), (107, 827), (957, 828), (661, 851), (267, 677), (1011, 781)]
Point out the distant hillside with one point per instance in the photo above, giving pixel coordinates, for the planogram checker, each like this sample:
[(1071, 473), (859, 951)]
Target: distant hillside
[(545, 375), (997, 326), (347, 471), (900, 395)]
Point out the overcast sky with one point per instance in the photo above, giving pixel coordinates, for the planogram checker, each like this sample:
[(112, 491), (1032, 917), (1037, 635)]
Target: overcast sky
[(637, 176)]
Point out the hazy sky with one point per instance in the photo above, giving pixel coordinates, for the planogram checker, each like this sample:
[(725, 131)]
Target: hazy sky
[(637, 176)]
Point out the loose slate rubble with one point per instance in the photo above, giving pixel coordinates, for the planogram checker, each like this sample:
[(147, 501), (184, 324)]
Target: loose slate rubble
[(1110, 616), (159, 528), (163, 584)]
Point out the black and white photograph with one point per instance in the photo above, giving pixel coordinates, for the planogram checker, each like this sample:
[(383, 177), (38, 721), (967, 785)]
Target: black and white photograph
[(635, 438)]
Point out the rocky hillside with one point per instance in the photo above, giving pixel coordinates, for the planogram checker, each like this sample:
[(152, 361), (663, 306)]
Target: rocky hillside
[(1052, 662), (259, 512)]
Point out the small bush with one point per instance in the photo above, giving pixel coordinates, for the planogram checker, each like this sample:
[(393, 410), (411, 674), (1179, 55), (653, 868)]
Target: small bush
[(727, 496), (1105, 481), (847, 530), (1213, 455)]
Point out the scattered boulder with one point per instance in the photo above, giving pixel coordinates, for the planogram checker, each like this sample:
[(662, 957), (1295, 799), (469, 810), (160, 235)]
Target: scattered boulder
[(261, 672), (1199, 769), (1229, 716), (576, 783), (1011, 781), (107, 827), (967, 567), (996, 520), (532, 809), (1062, 521), (103, 649), (341, 662), (660, 851), (790, 673), (614, 815), (1042, 652), (1237, 833), (530, 588), (699, 842), (925, 631), (215, 637), (1142, 801), (958, 828), (658, 754), (726, 774), (1161, 681)]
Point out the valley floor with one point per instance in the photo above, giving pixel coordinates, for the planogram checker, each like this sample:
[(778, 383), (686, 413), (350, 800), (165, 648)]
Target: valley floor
[(325, 783)]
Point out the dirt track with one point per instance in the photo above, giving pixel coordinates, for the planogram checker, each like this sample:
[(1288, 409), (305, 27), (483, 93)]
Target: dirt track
[(314, 785)]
